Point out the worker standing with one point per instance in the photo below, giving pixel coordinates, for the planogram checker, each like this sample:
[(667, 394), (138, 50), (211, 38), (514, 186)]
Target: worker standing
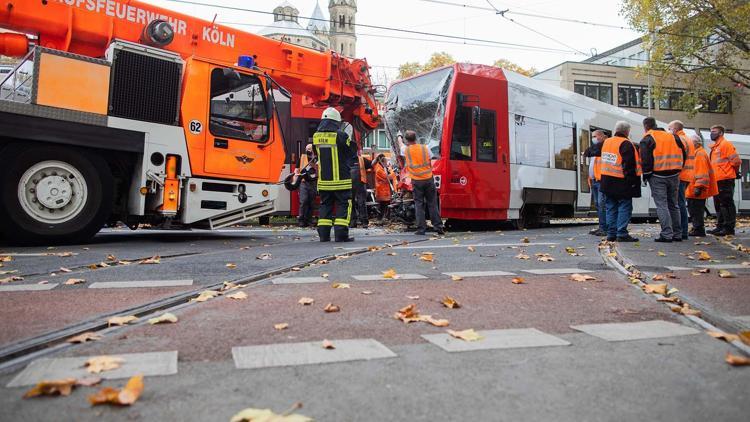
[(621, 181), (308, 187), (594, 152), (662, 159), (335, 154), (701, 187), (726, 164), (677, 128), (383, 188), (360, 166), (419, 167)]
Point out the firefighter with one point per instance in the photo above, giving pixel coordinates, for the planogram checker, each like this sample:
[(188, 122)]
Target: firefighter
[(308, 186), (676, 128), (419, 166), (621, 181), (726, 164), (662, 159), (335, 152), (702, 186)]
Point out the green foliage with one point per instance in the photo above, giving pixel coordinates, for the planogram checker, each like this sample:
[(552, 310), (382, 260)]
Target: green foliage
[(507, 64), (442, 58)]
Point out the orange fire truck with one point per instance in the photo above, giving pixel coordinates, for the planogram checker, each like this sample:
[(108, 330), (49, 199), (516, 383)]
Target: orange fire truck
[(122, 111)]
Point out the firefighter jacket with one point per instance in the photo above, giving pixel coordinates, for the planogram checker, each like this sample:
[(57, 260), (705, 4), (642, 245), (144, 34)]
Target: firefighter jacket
[(418, 162), (620, 168), (335, 155), (724, 160), (686, 175), (704, 177), (662, 154)]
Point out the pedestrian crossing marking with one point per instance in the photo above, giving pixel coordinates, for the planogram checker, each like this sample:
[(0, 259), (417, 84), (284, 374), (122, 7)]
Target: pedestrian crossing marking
[(380, 277), (625, 331), (480, 274), (139, 284), (497, 339), (28, 287), (553, 271), (299, 280), (308, 353)]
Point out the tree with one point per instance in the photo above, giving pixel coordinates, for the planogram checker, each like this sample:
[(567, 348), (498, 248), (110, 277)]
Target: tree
[(435, 61), (700, 44), (507, 64), (409, 69)]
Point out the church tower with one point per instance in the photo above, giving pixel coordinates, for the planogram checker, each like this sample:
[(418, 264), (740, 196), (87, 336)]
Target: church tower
[(343, 38)]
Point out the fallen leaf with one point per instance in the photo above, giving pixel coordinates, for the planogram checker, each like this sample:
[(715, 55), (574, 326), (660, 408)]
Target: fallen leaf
[(65, 270), (6, 258), (661, 253), (704, 270), (687, 310), (522, 256), (723, 336), (98, 364), (725, 274), (427, 256), (281, 326), (10, 279), (83, 338), (744, 337), (407, 313), (390, 274), (703, 256), (412, 297), (153, 260), (324, 275), (73, 281), (340, 286), (544, 257), (43, 282), (672, 291), (327, 344), (231, 266), (125, 397), (238, 296), (264, 256), (451, 303), (296, 269), (331, 308), (121, 320), (736, 360), (205, 295), (525, 240), (668, 299), (267, 415), (167, 317), (660, 289), (518, 280), (466, 335), (306, 301), (391, 254), (88, 381), (582, 277), (436, 322), (62, 387), (471, 249), (111, 257), (366, 292), (456, 277)]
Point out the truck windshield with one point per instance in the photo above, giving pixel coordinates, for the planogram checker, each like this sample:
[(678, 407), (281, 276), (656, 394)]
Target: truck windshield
[(238, 106), (418, 104)]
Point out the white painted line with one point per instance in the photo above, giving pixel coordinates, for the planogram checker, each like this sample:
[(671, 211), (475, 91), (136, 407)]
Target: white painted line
[(137, 284), (679, 268), (292, 354), (497, 339), (552, 271), (743, 319), (480, 273), (635, 330), (476, 245), (299, 280), (379, 277), (725, 266), (147, 364), (28, 287)]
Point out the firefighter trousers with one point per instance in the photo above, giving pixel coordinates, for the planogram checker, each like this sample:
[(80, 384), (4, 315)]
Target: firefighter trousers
[(335, 211)]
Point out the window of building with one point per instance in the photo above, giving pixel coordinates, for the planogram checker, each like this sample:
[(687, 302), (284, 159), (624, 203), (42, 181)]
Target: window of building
[(721, 103), (532, 141), (342, 21), (600, 91), (342, 49), (633, 96), (461, 139), (671, 99), (486, 150), (565, 150), (238, 106), (382, 140), (350, 22)]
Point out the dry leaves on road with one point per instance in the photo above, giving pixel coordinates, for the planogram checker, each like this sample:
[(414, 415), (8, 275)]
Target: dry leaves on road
[(410, 314), (456, 277), (412, 297), (83, 338), (331, 308), (238, 296), (6, 258), (205, 295), (582, 277), (701, 271), (156, 259), (544, 257), (281, 326), (518, 280), (340, 285), (736, 360), (451, 303), (125, 397), (686, 310), (522, 255), (427, 256), (74, 281), (744, 337), (390, 274), (471, 249), (10, 279), (525, 240), (306, 301), (327, 344), (661, 253), (231, 266), (163, 318), (267, 415), (62, 387), (660, 289), (121, 320), (725, 274), (703, 256), (264, 256), (111, 257), (99, 364), (466, 335), (723, 336)]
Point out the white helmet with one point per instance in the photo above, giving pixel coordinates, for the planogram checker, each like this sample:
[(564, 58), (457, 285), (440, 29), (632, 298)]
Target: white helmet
[(332, 114)]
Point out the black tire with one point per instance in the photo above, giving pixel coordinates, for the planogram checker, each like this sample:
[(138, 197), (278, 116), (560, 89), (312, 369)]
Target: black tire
[(20, 228), (264, 220)]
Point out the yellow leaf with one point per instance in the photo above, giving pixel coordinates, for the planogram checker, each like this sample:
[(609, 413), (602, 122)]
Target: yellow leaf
[(466, 335), (374, 248), (167, 317), (98, 364), (471, 249), (266, 415), (518, 280), (327, 344), (121, 320), (687, 310), (436, 322), (306, 301), (723, 336), (668, 299), (612, 254), (525, 240), (451, 303), (407, 313), (83, 338), (744, 337), (725, 274), (6, 258), (281, 326), (391, 254), (340, 286), (331, 308), (736, 360), (661, 253), (153, 260), (522, 256), (582, 277), (427, 256), (125, 397), (61, 387), (111, 257), (456, 278), (238, 296), (231, 266), (660, 289), (72, 281), (390, 274), (703, 256)]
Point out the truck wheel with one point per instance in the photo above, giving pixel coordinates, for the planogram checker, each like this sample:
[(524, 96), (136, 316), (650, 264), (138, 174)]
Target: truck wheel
[(53, 195)]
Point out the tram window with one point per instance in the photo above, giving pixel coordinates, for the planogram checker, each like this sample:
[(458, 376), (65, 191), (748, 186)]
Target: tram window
[(532, 141), (486, 150), (585, 142), (565, 154), (745, 179), (461, 139)]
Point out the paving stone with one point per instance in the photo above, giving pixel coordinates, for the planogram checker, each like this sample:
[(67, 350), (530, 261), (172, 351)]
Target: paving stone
[(379, 277), (552, 271), (497, 339), (679, 268), (292, 354), (147, 364), (28, 287), (136, 284), (480, 273), (299, 280), (725, 266), (635, 330)]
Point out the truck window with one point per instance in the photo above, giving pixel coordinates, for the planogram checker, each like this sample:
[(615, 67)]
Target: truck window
[(486, 150), (238, 107), (461, 139)]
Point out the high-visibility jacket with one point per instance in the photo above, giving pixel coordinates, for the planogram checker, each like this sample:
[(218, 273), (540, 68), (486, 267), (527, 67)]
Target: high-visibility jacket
[(667, 154), (333, 165), (612, 161), (686, 175), (382, 185), (724, 159), (598, 169), (703, 177), (418, 162), (362, 170)]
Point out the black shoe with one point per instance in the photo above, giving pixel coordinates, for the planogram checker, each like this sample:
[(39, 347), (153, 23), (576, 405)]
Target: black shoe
[(714, 230), (723, 232), (440, 231), (611, 239), (598, 232), (628, 238), (697, 233), (302, 224), (419, 232), (662, 240), (677, 239), (348, 239), (684, 237)]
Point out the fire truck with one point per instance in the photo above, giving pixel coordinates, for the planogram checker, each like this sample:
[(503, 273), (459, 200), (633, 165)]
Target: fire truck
[(120, 111)]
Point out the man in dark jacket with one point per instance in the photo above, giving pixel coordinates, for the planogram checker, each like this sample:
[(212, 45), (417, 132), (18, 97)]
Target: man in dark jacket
[(594, 154), (621, 182)]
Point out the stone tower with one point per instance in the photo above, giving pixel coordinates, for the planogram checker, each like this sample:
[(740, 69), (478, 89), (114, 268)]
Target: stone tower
[(343, 38)]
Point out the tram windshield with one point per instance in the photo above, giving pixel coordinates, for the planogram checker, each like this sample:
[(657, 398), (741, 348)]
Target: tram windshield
[(418, 104)]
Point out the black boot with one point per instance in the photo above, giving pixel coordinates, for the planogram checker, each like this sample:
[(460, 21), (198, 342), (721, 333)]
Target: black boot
[(342, 234), (325, 233)]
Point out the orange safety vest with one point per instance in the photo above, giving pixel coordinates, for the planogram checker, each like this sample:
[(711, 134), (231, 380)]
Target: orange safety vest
[(418, 162), (598, 169), (612, 161), (686, 175), (362, 170), (382, 186), (724, 159), (667, 155), (703, 177)]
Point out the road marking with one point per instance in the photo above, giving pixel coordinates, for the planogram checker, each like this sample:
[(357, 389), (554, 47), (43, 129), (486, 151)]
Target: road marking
[(299, 280), (744, 320), (28, 287), (148, 364), (679, 268), (292, 354), (552, 271), (725, 266), (480, 274), (136, 284), (476, 245), (626, 331), (497, 339), (379, 277)]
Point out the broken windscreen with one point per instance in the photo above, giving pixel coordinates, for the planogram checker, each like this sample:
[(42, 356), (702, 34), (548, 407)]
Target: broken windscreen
[(418, 104)]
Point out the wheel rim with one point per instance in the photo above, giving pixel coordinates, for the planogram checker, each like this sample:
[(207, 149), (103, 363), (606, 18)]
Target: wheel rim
[(52, 192)]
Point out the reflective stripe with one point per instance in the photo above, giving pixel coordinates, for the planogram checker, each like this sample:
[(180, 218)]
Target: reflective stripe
[(324, 222), (348, 219)]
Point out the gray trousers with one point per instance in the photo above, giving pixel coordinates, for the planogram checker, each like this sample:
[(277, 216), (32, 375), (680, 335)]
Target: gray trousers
[(664, 190), (426, 193)]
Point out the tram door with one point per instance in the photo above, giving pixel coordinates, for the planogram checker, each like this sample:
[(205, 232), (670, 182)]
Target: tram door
[(583, 202)]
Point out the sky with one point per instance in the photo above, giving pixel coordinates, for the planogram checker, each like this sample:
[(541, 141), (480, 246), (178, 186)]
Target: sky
[(385, 50)]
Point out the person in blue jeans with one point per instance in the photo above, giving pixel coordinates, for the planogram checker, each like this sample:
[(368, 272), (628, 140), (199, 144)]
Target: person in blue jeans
[(620, 182)]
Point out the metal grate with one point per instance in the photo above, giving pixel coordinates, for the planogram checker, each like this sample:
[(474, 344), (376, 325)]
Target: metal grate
[(145, 88)]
